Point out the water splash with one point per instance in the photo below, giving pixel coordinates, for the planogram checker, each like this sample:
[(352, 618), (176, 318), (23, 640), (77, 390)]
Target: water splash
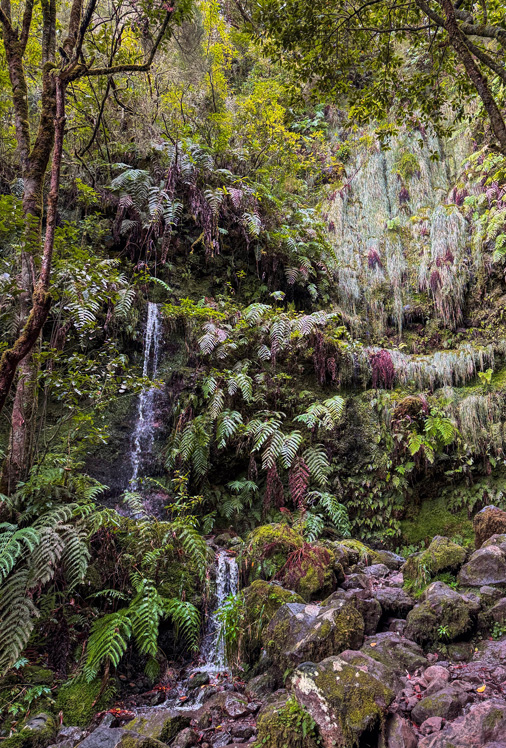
[(213, 645), (143, 435)]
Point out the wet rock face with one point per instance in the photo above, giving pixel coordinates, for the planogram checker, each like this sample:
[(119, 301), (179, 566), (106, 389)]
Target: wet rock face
[(487, 566), (300, 632), (344, 700), (488, 522)]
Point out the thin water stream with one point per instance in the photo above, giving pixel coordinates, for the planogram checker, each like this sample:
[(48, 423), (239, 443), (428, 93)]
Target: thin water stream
[(143, 434)]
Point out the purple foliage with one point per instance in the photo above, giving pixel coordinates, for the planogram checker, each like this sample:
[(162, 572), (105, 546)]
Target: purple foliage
[(383, 372), (434, 281), (374, 259), (404, 196)]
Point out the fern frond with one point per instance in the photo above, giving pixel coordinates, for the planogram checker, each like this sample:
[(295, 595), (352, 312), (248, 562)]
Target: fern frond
[(108, 642), (186, 620)]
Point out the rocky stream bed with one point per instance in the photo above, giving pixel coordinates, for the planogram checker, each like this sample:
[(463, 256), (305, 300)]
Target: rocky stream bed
[(384, 661)]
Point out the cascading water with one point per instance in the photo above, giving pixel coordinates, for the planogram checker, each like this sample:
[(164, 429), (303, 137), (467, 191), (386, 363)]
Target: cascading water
[(143, 435), (213, 645)]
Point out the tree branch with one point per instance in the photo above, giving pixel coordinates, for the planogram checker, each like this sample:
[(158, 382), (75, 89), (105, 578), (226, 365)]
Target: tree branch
[(27, 22)]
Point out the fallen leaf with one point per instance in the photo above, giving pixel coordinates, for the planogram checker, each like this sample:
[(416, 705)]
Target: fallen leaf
[(373, 644), (480, 689)]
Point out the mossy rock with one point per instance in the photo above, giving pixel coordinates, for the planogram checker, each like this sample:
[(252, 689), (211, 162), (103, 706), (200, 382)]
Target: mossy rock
[(444, 615), (80, 701), (344, 700), (30, 737), (315, 575), (283, 723), (269, 547), (308, 632), (160, 724), (261, 601), (441, 555), (359, 552), (490, 521)]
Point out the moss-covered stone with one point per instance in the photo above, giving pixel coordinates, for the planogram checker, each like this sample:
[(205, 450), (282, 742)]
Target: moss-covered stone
[(314, 573), (160, 724), (345, 701), (261, 601), (359, 552), (309, 632), (283, 723), (268, 549), (30, 737), (441, 555), (443, 615), (80, 701)]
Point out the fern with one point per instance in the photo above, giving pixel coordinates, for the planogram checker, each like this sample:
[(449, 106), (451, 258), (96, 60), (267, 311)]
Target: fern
[(14, 543), (335, 511), (108, 642), (228, 425), (317, 461), (146, 610), (186, 619)]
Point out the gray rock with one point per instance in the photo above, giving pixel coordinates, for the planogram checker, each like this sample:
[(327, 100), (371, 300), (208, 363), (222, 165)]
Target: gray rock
[(118, 737), (356, 581), (197, 680), (442, 609), (398, 733), (446, 704), (394, 601), (186, 739), (487, 566), (392, 560), (368, 607), (159, 724), (395, 652), (484, 723), (376, 570)]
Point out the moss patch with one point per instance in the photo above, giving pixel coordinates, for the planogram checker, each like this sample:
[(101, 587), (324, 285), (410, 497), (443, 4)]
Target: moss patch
[(77, 701), (434, 518)]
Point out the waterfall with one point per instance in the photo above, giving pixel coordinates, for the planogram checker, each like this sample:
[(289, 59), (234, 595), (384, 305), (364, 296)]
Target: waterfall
[(213, 645), (142, 439)]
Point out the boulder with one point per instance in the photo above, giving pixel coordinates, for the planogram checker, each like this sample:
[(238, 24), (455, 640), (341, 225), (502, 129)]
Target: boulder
[(261, 600), (355, 582), (272, 543), (441, 555), (392, 560), (443, 615), (300, 632), (395, 652), (398, 733), (484, 723), (158, 724), (361, 660), (315, 573), (498, 540), (186, 739), (345, 701), (490, 521), (498, 611), (376, 570), (367, 606), (118, 737), (394, 601), (262, 685), (280, 724), (446, 703), (487, 566)]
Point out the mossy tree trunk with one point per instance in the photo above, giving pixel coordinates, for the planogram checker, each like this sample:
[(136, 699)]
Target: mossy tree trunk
[(34, 155)]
